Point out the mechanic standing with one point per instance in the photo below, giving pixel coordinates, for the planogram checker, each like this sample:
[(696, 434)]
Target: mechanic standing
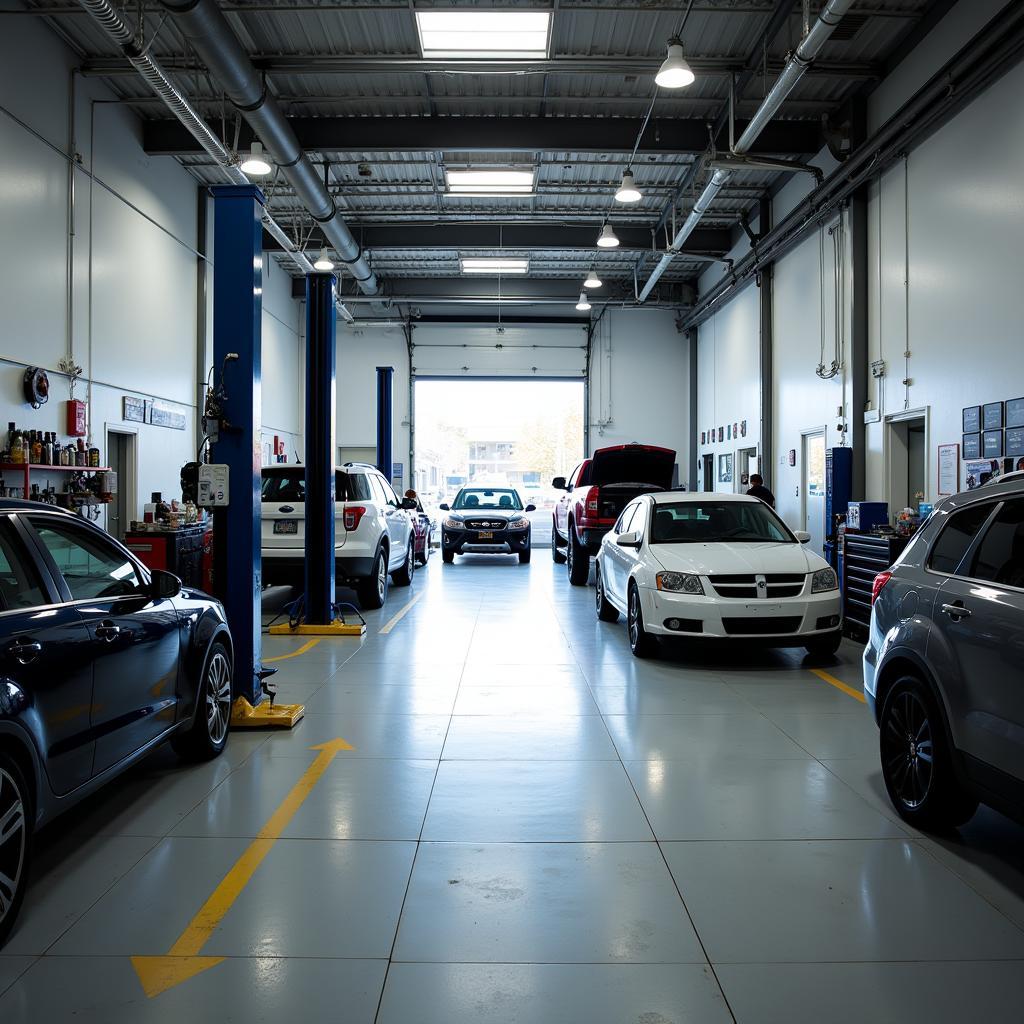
[(758, 490)]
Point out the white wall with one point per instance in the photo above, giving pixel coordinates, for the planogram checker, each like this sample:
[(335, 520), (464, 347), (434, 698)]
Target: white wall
[(134, 266)]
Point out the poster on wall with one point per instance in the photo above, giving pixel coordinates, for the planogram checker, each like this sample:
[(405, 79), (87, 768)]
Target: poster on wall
[(133, 410), (992, 444), (977, 472), (972, 419), (1014, 442), (972, 446), (1015, 413), (949, 468), (725, 469), (992, 416)]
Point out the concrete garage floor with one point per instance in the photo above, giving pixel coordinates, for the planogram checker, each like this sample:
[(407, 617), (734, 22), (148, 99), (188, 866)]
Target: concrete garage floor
[(534, 827)]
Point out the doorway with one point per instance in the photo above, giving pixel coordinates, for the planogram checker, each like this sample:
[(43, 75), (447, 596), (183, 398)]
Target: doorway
[(746, 464), (813, 489), (907, 459), (121, 447), (709, 472)]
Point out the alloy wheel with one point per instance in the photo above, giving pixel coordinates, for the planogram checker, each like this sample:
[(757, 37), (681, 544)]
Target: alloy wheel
[(218, 697), (908, 749), (382, 577), (599, 588), (634, 617), (13, 839)]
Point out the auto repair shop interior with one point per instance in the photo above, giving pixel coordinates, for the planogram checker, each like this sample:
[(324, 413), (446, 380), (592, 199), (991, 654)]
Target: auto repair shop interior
[(617, 407)]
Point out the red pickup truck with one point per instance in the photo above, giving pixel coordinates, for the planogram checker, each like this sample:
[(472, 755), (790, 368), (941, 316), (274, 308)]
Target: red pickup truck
[(599, 488)]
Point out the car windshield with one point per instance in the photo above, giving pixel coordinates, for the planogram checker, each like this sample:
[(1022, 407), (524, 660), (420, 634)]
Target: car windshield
[(691, 522), (488, 497)]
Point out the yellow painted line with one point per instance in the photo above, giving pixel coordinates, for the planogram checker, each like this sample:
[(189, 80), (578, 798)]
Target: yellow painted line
[(159, 973), (839, 685), (394, 620), (308, 645)]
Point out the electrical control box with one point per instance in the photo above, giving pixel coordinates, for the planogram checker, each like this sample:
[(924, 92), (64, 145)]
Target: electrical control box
[(213, 486)]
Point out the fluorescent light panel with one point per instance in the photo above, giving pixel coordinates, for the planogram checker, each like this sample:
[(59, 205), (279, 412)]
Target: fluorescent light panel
[(495, 266), (481, 181), (483, 35)]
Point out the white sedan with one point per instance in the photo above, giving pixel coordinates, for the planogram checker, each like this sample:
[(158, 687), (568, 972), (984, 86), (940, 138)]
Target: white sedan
[(686, 564)]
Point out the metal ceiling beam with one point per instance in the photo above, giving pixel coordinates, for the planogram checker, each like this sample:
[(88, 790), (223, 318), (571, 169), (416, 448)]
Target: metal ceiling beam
[(398, 64), (517, 236), (498, 134)]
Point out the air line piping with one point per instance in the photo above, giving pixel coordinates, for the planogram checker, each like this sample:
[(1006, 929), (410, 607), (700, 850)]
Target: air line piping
[(104, 13), (208, 32), (809, 48)]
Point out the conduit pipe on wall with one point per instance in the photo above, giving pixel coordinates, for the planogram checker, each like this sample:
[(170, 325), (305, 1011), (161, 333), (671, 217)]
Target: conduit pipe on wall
[(809, 48), (208, 32), (156, 77)]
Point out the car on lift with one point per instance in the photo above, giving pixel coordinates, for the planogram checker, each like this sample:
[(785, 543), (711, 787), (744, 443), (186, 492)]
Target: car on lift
[(706, 567), (596, 493), (943, 667), (486, 520), (101, 661), (374, 535)]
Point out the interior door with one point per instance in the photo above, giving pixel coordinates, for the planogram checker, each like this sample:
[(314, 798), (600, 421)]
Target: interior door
[(814, 489), (45, 664), (709, 473), (135, 640)]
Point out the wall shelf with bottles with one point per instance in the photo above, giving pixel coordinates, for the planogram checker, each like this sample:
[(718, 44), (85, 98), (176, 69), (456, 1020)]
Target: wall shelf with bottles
[(28, 468)]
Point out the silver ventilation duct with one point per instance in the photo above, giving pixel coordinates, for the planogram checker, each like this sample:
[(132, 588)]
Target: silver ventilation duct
[(208, 32), (809, 48)]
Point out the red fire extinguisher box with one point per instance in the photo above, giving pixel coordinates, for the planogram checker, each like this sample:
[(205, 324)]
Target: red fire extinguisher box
[(76, 426)]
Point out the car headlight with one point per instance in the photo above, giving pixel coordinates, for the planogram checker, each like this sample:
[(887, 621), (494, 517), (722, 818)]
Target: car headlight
[(823, 580), (454, 524), (679, 582), (519, 523)]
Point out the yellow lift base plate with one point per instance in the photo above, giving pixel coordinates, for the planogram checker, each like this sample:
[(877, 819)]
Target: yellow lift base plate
[(332, 629), (265, 715)]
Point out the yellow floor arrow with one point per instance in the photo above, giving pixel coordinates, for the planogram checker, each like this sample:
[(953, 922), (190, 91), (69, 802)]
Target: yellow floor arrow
[(159, 973)]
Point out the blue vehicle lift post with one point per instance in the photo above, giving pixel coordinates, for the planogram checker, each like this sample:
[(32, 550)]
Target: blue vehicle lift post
[(385, 405)]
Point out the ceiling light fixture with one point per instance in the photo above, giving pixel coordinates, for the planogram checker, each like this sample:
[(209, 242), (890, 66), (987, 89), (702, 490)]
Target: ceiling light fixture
[(323, 261), (607, 239), (483, 181), (495, 265), (592, 281), (255, 164), (674, 72), (628, 192), (584, 304), (484, 35)]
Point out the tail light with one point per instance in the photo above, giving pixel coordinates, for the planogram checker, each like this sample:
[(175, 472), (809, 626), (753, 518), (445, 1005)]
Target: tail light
[(353, 513), (592, 499), (876, 586)]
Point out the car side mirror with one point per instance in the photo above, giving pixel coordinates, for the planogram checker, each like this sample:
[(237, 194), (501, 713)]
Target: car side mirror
[(445, 507), (409, 504), (628, 540), (558, 483), (164, 584), (530, 508), (802, 535)]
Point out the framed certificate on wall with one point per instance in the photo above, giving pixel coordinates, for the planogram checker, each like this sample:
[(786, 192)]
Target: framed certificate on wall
[(972, 420), (972, 446), (992, 444), (992, 416), (1015, 412)]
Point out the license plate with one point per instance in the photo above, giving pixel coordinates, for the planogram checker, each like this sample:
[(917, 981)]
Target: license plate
[(286, 526), (485, 535), (763, 608)]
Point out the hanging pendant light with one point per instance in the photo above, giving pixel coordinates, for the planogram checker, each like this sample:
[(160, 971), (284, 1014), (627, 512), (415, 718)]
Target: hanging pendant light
[(628, 192), (323, 261), (584, 304), (607, 239), (592, 281), (674, 72), (256, 164)]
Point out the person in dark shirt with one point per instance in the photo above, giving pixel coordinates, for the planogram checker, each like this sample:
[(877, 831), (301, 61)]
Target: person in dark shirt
[(758, 490)]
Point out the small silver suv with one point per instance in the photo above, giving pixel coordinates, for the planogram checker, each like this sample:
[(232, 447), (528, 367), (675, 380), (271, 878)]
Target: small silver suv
[(944, 664)]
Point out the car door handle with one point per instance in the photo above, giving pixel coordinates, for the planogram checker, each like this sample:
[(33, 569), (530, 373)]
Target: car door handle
[(25, 651), (956, 611), (108, 631)]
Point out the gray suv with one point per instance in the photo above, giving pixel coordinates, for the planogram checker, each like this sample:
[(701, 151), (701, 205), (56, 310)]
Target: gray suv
[(944, 664)]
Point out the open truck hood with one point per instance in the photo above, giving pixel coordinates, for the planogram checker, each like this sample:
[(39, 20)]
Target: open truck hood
[(634, 464)]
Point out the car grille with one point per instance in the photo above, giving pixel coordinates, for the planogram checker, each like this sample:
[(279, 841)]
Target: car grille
[(744, 587), (485, 524), (754, 625)]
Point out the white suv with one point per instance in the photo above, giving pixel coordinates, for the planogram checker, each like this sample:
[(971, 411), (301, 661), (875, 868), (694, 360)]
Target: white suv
[(373, 530)]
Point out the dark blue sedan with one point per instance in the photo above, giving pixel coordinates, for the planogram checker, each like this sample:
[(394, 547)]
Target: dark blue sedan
[(101, 660)]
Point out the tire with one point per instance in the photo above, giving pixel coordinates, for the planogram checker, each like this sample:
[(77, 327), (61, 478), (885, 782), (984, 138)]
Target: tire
[(524, 556), (925, 793), (373, 591), (403, 577), (447, 556), (821, 649), (17, 809), (577, 561), (557, 554), (207, 736), (606, 611), (425, 557), (641, 643)]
